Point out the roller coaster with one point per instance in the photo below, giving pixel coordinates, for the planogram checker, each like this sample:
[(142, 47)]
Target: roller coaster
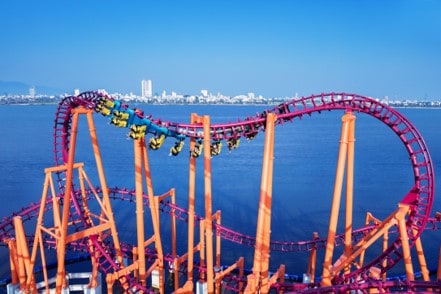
[(76, 216)]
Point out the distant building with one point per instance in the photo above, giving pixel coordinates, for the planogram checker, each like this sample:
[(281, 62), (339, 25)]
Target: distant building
[(146, 88), (32, 92)]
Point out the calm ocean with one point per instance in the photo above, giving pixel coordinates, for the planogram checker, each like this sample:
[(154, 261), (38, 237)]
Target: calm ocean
[(304, 171)]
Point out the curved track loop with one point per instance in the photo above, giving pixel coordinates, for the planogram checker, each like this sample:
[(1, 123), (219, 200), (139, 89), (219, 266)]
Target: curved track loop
[(420, 196)]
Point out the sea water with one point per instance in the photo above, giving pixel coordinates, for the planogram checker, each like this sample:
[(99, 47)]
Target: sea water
[(305, 158)]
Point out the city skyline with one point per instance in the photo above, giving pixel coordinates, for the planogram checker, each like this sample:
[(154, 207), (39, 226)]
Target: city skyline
[(146, 91), (373, 48)]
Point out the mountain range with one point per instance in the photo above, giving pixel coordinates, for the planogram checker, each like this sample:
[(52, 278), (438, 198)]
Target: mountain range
[(20, 88)]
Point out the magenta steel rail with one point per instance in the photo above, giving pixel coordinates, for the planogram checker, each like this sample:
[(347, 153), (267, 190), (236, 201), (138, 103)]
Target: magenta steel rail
[(420, 197)]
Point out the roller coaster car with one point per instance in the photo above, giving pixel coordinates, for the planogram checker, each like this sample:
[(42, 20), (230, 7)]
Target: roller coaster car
[(156, 142), (250, 131), (121, 115), (197, 150), (105, 106), (250, 136), (107, 103), (233, 143), (118, 122), (137, 131), (104, 111), (215, 148), (175, 150), (281, 108)]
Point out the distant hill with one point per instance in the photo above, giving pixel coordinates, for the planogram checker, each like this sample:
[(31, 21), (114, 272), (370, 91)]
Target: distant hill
[(20, 88)]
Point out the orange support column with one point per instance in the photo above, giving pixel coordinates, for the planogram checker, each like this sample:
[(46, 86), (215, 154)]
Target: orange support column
[(347, 119), (107, 211), (22, 252), (258, 280), (137, 146), (421, 259), (312, 261), (188, 287), (61, 246), (268, 164), (208, 205), (154, 210), (407, 259), (13, 260), (349, 188), (217, 216)]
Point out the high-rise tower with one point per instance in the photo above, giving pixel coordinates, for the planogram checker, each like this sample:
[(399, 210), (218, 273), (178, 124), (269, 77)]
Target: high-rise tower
[(146, 88)]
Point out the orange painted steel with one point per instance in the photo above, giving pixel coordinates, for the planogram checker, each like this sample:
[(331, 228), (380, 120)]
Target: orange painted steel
[(139, 267), (278, 277), (220, 275), (312, 261), (206, 239), (406, 250), (154, 210), (349, 188), (173, 266), (202, 253), (258, 279), (13, 260), (397, 217), (371, 219), (189, 284), (61, 216), (218, 217), (347, 138), (24, 263), (54, 231), (106, 208), (422, 259), (205, 120), (139, 212)]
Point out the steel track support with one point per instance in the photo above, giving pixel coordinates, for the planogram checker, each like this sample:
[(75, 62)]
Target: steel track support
[(189, 284), (258, 281), (107, 221), (371, 219), (406, 249), (345, 154), (394, 219), (421, 258), (312, 261), (137, 146), (173, 266), (205, 245), (142, 166)]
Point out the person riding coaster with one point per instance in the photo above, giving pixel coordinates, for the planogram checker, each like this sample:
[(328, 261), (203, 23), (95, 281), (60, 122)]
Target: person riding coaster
[(215, 148), (177, 148), (137, 131), (156, 142), (197, 150), (233, 143)]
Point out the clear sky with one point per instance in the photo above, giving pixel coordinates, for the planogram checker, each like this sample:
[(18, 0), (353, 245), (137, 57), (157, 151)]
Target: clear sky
[(272, 48)]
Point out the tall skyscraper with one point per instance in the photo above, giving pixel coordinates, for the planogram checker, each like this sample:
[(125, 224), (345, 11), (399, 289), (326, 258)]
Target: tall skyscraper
[(146, 88)]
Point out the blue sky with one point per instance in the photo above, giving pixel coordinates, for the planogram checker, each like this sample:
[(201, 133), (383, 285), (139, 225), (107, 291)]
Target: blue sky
[(272, 48)]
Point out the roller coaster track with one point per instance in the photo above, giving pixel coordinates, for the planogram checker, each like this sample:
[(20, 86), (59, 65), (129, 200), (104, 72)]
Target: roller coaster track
[(420, 196), (122, 194)]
